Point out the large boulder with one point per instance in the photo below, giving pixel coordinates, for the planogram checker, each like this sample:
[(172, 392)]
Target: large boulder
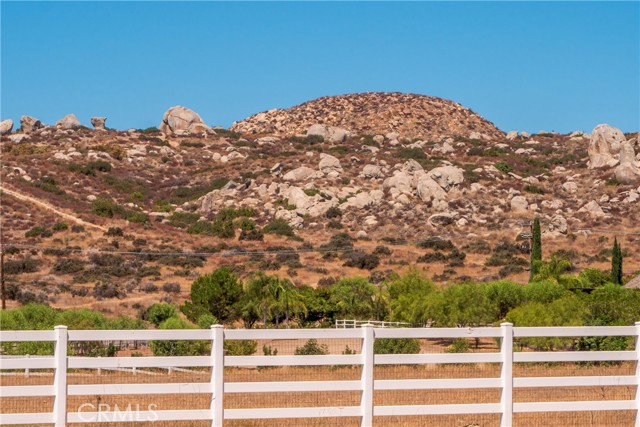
[(180, 120), (399, 183), (447, 176), (604, 146), (429, 190), (28, 124), (519, 204), (299, 174), (70, 121), (593, 209), (329, 163), (98, 122), (627, 171), (6, 126), (328, 133)]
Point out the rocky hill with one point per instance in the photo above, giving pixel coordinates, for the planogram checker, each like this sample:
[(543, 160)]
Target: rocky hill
[(117, 220), (410, 115)]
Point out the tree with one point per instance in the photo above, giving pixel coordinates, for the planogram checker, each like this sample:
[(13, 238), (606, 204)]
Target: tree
[(258, 299), (160, 312), (287, 299), (551, 270), (616, 263), (408, 296), (536, 248), (353, 298), (178, 348), (218, 293)]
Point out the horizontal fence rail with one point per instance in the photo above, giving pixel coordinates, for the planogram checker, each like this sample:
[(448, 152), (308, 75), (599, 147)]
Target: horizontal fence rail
[(61, 362)]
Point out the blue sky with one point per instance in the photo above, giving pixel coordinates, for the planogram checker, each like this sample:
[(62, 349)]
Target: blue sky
[(523, 65)]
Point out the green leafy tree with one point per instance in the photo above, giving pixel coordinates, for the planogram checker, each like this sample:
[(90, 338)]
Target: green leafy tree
[(536, 248), (552, 270), (616, 263), (505, 294), (160, 312), (465, 304), (218, 293), (408, 296), (287, 300), (180, 347), (353, 298), (258, 299)]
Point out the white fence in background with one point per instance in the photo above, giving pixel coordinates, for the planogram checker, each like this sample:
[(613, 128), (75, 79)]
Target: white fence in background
[(217, 386), (350, 323)]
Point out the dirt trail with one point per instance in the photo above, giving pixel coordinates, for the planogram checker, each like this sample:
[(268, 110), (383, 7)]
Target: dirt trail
[(48, 207)]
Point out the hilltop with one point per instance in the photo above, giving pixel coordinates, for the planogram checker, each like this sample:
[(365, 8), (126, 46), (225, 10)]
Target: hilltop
[(410, 115), (314, 203)]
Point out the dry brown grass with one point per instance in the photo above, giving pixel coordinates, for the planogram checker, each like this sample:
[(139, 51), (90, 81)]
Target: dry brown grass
[(314, 399)]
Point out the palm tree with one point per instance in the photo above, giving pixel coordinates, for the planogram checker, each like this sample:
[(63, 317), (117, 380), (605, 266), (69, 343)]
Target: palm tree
[(552, 270), (260, 296), (290, 300)]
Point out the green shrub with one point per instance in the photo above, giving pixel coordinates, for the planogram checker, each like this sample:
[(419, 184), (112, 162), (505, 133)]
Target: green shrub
[(183, 219), (396, 346), (280, 227), (459, 345), (362, 260), (105, 207), (68, 266), (311, 347), (160, 312), (60, 226), (533, 189), (503, 167), (240, 347), (435, 243), (114, 232), (19, 266), (38, 231), (333, 212)]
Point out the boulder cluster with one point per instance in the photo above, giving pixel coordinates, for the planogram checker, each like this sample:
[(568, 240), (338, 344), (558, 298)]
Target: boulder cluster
[(609, 148)]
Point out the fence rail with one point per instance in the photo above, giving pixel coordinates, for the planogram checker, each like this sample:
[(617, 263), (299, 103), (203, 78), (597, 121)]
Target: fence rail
[(61, 361)]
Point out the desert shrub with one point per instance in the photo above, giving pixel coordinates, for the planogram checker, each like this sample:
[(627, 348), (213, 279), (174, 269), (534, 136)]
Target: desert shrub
[(335, 224), (77, 228), (251, 235), (240, 347), (68, 266), (136, 217), (327, 281), (362, 260), (223, 229), (507, 253), (193, 144), (456, 258), (533, 189), (311, 191), (106, 207), (382, 250), (79, 292), (311, 348), (149, 288), (19, 266), (411, 153), (396, 346), (435, 243), (432, 257), (280, 227), (184, 261), (502, 167), (60, 226), (108, 290), (510, 269), (290, 258), (183, 219), (181, 195), (48, 184), (91, 167), (333, 212), (114, 232), (202, 227), (477, 247), (171, 287), (245, 224), (38, 231)]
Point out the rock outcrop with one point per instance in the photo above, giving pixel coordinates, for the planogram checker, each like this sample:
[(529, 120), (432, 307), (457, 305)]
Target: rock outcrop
[(328, 133), (6, 126), (28, 124), (372, 113), (604, 146), (70, 121), (299, 174), (180, 120), (98, 122), (627, 171)]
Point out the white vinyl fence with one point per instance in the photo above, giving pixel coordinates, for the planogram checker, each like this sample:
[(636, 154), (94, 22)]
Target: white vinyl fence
[(366, 410)]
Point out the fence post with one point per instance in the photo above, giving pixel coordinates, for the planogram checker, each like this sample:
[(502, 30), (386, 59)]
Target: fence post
[(217, 376), (506, 375), (60, 377), (367, 375), (638, 374)]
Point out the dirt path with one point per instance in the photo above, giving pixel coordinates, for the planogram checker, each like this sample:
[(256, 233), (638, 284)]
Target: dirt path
[(48, 207)]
